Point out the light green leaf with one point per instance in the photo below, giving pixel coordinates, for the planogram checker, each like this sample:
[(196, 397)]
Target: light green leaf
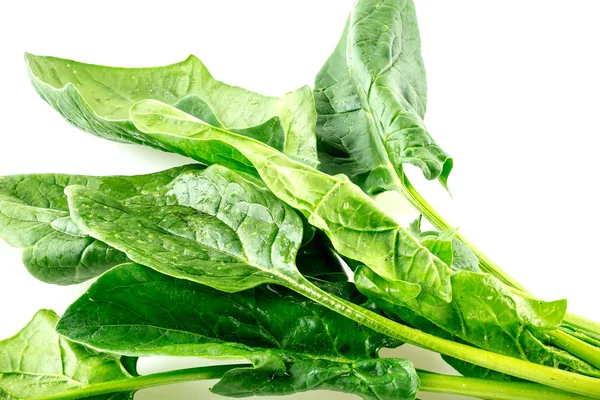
[(447, 247), (357, 228), (34, 215), (97, 99), (484, 313), (215, 227), (38, 362)]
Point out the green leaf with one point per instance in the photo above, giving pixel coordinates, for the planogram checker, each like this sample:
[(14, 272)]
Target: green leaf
[(294, 344), (137, 311), (379, 379), (97, 99), (34, 215), (371, 96), (348, 141), (482, 310), (38, 362), (212, 226), (447, 247), (484, 313), (357, 228)]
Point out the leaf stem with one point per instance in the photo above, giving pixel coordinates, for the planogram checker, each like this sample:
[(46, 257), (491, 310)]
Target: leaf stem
[(145, 381), (408, 191), (487, 389), (545, 375), (584, 325), (576, 346), (430, 382)]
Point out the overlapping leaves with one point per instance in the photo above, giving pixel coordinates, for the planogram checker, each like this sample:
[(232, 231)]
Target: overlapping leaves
[(294, 344)]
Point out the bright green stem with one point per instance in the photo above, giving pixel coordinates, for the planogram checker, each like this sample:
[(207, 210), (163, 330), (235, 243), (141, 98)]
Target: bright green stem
[(553, 377), (408, 191), (583, 350), (146, 381), (488, 389), (584, 325), (430, 382)]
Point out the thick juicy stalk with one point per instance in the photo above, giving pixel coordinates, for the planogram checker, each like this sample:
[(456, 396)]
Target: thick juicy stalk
[(487, 389)]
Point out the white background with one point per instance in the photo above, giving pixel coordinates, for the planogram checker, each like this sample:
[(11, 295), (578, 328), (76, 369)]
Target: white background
[(514, 97)]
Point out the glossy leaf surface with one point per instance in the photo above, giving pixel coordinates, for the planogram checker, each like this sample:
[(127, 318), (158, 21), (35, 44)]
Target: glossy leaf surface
[(34, 215), (294, 344), (357, 228)]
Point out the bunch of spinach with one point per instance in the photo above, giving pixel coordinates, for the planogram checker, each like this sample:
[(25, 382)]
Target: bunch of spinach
[(242, 255)]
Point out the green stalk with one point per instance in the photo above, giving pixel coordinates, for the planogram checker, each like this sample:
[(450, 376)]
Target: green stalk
[(408, 191), (487, 389), (545, 375), (146, 381), (584, 325), (573, 345), (430, 382)]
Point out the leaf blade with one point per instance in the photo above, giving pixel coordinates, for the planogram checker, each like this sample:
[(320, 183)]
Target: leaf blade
[(37, 362), (96, 99)]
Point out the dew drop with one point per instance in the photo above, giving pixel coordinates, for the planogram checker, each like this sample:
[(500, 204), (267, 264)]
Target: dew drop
[(68, 65)]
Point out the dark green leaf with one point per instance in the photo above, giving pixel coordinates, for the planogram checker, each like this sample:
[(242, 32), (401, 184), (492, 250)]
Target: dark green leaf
[(317, 260), (379, 379), (137, 311), (371, 99), (294, 344)]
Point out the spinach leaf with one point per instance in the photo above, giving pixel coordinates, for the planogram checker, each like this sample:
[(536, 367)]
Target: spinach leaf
[(348, 142), (484, 313), (37, 362), (34, 215), (371, 97), (293, 343), (447, 247), (212, 226), (379, 379), (97, 99), (357, 228)]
